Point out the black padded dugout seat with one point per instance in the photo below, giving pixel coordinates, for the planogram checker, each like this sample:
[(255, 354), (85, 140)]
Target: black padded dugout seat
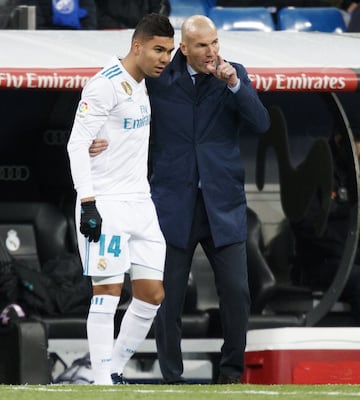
[(287, 304), (33, 232), (262, 281), (279, 255), (298, 298)]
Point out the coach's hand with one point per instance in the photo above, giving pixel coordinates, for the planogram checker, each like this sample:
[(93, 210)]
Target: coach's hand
[(90, 221), (224, 71), (97, 147)]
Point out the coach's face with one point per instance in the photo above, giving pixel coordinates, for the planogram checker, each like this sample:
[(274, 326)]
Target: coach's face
[(154, 55), (200, 47)]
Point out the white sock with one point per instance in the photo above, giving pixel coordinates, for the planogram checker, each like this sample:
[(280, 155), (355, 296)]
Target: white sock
[(135, 325), (100, 333)]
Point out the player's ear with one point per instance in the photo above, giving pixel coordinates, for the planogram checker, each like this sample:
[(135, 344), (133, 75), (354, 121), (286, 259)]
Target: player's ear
[(136, 46)]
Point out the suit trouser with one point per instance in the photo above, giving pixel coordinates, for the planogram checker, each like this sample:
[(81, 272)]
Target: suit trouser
[(230, 271)]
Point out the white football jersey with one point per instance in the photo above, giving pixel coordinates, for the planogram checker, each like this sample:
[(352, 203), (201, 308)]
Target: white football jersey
[(116, 107)]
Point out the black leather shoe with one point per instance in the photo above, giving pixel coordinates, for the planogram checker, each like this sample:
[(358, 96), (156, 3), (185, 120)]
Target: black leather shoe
[(118, 379), (228, 380), (180, 381)]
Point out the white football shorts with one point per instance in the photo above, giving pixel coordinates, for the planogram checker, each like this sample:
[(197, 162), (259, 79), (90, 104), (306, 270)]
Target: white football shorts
[(130, 235)]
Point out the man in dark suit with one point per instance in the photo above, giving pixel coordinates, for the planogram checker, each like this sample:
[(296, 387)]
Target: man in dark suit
[(197, 184)]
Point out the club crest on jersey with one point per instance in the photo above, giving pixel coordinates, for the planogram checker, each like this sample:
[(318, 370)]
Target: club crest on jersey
[(127, 87), (102, 264)]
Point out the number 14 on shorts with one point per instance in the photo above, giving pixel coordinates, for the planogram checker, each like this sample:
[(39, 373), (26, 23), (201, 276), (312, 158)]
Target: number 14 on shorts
[(109, 245)]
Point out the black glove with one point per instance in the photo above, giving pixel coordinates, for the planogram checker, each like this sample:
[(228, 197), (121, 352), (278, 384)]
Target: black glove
[(90, 221)]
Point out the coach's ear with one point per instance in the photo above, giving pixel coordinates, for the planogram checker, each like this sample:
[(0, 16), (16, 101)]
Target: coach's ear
[(184, 48)]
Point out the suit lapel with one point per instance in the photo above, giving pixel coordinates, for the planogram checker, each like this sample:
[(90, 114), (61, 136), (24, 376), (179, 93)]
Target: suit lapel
[(185, 82)]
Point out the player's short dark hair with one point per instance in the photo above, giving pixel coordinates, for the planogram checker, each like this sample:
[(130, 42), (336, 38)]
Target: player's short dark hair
[(153, 25)]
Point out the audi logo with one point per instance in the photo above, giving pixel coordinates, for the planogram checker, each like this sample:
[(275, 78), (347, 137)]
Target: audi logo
[(14, 173), (55, 137)]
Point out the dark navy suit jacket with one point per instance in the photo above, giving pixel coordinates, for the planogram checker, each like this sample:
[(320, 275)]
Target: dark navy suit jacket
[(197, 139)]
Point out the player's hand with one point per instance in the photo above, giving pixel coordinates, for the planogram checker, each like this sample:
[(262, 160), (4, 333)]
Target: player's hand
[(97, 147), (224, 71), (90, 221)]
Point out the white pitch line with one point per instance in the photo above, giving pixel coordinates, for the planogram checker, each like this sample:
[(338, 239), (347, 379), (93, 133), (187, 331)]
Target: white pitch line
[(55, 388)]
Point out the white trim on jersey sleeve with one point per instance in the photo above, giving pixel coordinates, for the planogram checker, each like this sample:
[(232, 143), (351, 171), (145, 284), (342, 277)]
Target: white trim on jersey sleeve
[(97, 100)]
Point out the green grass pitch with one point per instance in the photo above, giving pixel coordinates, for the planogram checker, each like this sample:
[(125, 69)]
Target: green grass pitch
[(180, 392)]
